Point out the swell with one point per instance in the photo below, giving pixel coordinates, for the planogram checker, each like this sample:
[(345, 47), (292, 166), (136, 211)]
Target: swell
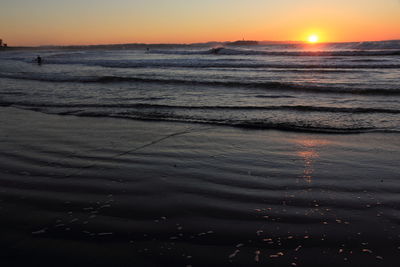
[(259, 124), (230, 51), (236, 65), (143, 106), (223, 62), (259, 85)]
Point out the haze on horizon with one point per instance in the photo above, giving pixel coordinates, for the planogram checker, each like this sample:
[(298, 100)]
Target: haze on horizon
[(82, 22)]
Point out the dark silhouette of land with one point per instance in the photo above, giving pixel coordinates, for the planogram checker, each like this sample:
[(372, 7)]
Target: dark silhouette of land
[(148, 47)]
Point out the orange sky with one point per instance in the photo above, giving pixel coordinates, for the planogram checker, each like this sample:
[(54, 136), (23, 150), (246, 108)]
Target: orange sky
[(59, 22)]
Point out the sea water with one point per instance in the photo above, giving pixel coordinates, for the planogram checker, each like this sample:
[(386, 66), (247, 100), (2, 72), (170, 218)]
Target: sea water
[(334, 88)]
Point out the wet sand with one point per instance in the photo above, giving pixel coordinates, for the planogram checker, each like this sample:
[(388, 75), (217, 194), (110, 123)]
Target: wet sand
[(111, 192)]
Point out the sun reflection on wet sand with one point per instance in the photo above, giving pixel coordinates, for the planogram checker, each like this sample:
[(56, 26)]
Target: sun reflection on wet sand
[(309, 153)]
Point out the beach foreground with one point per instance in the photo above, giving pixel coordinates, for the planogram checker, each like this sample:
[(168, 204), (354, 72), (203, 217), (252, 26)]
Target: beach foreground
[(112, 192)]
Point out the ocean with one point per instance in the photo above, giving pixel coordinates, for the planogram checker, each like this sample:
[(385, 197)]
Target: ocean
[(333, 88), (201, 155)]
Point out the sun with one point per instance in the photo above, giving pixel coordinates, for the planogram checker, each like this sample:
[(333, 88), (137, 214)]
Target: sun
[(313, 38)]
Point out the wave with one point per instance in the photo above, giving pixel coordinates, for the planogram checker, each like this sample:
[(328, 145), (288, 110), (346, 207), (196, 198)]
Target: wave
[(230, 51), (279, 117), (142, 106), (13, 93), (237, 65), (275, 96), (260, 85), (226, 62), (366, 45), (222, 64), (368, 60), (391, 44), (248, 124), (306, 128)]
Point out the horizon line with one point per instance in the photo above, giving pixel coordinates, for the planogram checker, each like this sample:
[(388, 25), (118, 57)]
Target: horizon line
[(196, 43)]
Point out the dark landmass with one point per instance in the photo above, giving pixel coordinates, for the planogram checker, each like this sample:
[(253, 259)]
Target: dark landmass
[(243, 42), (388, 44)]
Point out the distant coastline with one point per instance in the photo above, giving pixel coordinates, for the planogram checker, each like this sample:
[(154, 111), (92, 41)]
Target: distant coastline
[(187, 45), (243, 42)]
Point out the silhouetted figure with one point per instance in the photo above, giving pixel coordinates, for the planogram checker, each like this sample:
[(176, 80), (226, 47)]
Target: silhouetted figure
[(216, 50), (39, 60)]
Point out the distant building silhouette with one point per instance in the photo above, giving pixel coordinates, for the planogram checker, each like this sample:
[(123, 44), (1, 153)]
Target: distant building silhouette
[(1, 42)]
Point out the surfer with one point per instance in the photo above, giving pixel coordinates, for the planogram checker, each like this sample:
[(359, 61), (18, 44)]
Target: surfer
[(39, 60), (216, 50)]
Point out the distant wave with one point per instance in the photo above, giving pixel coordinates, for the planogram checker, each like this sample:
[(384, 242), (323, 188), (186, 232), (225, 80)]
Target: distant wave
[(230, 51), (260, 85), (225, 62), (379, 45)]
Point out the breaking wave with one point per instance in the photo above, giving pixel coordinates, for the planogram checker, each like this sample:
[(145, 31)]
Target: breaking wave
[(260, 85), (262, 124), (141, 106), (230, 51)]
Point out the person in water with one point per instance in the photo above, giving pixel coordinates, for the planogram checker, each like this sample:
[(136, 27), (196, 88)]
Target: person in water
[(39, 60)]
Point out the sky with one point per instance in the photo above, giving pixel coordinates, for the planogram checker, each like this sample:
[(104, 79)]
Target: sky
[(66, 22)]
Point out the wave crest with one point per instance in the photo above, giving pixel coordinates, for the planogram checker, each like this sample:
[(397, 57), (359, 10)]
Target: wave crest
[(259, 85), (231, 52)]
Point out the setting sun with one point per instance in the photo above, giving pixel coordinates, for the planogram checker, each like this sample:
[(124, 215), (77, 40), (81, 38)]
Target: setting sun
[(134, 131), (313, 38)]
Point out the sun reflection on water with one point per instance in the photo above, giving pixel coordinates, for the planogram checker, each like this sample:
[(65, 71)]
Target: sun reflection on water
[(309, 153)]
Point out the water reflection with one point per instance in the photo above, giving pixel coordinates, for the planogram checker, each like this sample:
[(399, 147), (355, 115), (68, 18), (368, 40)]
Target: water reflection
[(309, 153)]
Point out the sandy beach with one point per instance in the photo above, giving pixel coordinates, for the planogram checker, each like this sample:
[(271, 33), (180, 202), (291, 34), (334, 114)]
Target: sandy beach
[(112, 192), (199, 133)]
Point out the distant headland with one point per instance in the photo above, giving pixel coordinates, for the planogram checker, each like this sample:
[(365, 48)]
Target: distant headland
[(243, 42)]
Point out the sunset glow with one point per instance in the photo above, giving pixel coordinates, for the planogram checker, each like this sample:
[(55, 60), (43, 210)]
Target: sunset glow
[(40, 22)]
